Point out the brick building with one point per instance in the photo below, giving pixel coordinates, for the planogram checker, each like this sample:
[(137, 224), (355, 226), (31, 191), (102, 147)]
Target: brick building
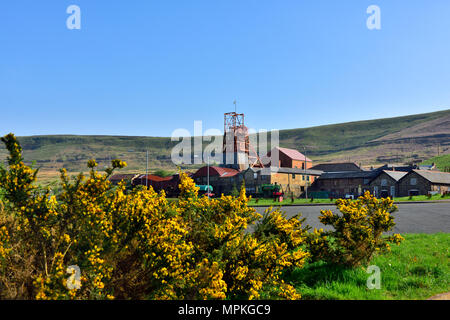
[(293, 181), (127, 178), (287, 158), (289, 174), (223, 180), (168, 184)]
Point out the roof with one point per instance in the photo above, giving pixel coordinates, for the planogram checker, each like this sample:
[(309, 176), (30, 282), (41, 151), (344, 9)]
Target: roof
[(350, 175), (396, 175), (293, 154), (152, 177), (427, 167), (391, 167), (435, 177), (297, 171), (337, 167), (216, 171), (265, 171), (119, 177)]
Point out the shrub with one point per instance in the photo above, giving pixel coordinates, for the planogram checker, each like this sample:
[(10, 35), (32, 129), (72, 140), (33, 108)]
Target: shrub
[(136, 245), (234, 191), (357, 233)]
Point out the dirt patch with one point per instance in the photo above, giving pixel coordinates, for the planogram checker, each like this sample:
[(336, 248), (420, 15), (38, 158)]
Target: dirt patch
[(442, 296)]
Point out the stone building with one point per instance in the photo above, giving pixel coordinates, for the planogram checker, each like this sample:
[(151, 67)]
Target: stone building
[(385, 184), (337, 167), (344, 184), (423, 182)]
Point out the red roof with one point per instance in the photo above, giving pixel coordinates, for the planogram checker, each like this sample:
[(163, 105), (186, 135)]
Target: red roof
[(216, 171), (152, 177), (293, 154)]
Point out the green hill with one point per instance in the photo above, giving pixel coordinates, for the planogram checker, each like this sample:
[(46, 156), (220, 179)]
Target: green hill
[(442, 162), (400, 139)]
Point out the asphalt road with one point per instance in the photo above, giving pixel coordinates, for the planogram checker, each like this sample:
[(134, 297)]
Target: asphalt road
[(410, 217)]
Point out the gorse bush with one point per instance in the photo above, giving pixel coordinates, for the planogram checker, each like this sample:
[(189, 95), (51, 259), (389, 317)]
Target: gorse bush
[(134, 244), (357, 233)]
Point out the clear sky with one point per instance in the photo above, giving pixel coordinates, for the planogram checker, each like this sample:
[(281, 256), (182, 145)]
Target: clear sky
[(148, 67)]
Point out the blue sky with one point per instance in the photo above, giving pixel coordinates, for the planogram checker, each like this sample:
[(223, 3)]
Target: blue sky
[(148, 67)]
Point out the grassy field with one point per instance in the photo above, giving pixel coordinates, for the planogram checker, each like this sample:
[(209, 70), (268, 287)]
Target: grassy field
[(417, 269)]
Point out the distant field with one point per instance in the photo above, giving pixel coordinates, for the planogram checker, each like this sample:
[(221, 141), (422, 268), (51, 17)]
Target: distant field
[(372, 142)]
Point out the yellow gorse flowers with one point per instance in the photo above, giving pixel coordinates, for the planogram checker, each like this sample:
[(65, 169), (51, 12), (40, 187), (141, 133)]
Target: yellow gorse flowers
[(134, 244), (357, 231)]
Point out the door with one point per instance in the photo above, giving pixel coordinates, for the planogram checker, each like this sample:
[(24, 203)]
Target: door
[(392, 191)]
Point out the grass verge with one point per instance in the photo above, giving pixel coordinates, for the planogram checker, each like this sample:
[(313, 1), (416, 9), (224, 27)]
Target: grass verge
[(417, 269), (288, 202)]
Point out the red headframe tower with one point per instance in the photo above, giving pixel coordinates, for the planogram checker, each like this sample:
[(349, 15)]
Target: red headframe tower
[(237, 150)]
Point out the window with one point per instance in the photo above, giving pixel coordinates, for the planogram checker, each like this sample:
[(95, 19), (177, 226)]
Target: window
[(303, 178), (307, 178), (413, 181), (293, 176), (255, 176), (383, 182)]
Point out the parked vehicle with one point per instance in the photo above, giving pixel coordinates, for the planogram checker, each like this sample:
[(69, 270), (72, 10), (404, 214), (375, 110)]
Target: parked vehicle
[(206, 190)]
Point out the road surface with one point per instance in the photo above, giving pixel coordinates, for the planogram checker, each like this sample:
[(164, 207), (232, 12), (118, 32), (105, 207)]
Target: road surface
[(410, 217)]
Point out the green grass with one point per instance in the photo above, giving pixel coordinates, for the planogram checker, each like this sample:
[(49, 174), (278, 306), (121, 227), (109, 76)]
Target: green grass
[(442, 162), (416, 269), (423, 198), (287, 202)]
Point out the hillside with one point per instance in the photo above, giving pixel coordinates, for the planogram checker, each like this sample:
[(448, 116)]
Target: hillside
[(400, 139), (441, 162)]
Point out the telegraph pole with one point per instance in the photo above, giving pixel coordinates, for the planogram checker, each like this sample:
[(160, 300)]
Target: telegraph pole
[(146, 172), (306, 178), (208, 177)]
